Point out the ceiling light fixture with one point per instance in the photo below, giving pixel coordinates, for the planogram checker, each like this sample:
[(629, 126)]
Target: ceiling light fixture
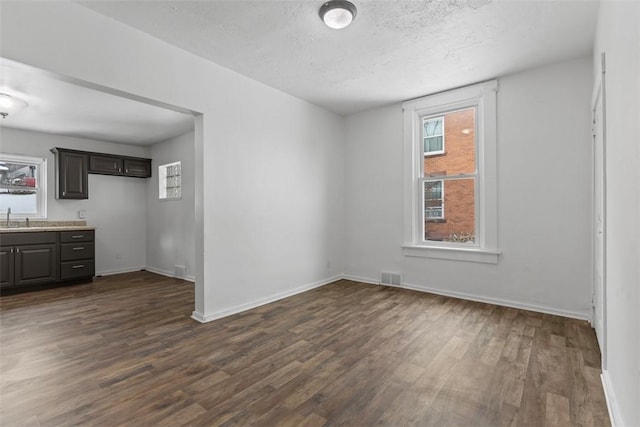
[(10, 104), (337, 14)]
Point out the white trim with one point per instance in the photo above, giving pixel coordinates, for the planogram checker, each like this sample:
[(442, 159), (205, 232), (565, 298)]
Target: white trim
[(501, 302), (472, 254), (471, 297), (169, 274), (609, 397), (599, 93), (482, 96), (204, 318), (361, 279), (120, 271)]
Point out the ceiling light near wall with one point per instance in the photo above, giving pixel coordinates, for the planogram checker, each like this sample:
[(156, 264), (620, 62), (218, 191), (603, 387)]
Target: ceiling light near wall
[(337, 14), (10, 104)]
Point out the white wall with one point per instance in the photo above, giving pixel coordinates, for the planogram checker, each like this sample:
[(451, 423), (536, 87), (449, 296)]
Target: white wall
[(115, 205), (544, 180), (269, 166), (619, 37), (171, 223)]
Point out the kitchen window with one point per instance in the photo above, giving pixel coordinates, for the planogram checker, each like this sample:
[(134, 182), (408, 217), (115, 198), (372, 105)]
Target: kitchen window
[(23, 186), (170, 181), (461, 223)]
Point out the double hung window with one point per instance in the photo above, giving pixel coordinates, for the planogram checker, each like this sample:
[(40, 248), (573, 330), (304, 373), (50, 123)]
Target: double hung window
[(450, 144)]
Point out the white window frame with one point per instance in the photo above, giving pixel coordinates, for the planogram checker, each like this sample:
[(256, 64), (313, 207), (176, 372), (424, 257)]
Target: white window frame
[(162, 180), (433, 153), (482, 97), (41, 188), (441, 181)]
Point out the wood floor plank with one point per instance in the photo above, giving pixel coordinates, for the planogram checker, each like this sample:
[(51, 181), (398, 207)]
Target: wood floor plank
[(123, 350)]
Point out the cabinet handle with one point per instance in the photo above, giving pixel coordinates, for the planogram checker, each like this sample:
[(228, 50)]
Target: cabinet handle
[(126, 171), (119, 169), (11, 250), (17, 250), (78, 266), (77, 249), (80, 236), (64, 193)]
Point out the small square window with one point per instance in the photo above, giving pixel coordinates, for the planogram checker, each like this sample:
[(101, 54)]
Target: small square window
[(170, 181)]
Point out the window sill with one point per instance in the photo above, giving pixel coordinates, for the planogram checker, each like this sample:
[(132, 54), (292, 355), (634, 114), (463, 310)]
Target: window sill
[(486, 256)]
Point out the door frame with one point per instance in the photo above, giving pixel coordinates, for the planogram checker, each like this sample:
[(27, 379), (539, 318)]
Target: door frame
[(599, 94)]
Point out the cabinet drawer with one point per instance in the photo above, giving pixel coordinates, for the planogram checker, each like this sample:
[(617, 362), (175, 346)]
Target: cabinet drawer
[(27, 238), (74, 251), (74, 269), (77, 236)]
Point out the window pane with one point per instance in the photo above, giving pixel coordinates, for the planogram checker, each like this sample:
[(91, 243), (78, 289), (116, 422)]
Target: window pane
[(433, 127), (449, 210), (21, 186), (20, 203), (433, 143), (18, 174), (458, 143)]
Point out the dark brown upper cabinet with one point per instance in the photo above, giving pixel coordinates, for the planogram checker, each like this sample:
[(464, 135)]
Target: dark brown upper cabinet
[(140, 168), (104, 164), (107, 164), (73, 167), (71, 174)]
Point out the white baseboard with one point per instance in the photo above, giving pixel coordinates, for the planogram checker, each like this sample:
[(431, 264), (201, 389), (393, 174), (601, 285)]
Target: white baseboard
[(204, 318), (360, 279), (119, 271), (478, 298), (609, 397), (169, 274)]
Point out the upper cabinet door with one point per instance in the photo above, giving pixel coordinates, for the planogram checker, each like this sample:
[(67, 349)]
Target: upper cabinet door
[(72, 175), (137, 167), (105, 164)]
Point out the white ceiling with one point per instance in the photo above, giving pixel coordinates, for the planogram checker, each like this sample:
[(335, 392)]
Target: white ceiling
[(61, 107), (393, 51)]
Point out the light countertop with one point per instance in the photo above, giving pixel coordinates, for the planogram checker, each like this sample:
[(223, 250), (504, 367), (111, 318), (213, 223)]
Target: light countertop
[(37, 225)]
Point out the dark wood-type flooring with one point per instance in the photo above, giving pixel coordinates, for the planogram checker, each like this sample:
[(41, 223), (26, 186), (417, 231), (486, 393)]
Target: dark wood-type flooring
[(123, 350)]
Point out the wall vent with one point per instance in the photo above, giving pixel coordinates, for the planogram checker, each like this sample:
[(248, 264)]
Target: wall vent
[(180, 271), (390, 278)]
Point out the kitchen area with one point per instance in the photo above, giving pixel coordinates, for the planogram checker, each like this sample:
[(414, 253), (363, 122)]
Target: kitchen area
[(84, 188)]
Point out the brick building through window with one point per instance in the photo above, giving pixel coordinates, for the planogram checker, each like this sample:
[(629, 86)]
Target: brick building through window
[(449, 203)]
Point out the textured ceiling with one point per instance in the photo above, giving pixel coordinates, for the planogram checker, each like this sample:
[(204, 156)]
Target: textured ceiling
[(394, 50), (60, 107)]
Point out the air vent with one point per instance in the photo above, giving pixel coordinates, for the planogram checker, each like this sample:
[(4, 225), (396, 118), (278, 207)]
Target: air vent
[(390, 278)]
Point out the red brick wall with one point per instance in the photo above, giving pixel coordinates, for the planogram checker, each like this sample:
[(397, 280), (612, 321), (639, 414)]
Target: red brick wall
[(459, 157)]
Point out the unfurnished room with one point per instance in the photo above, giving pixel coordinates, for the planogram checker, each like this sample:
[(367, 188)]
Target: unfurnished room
[(320, 213)]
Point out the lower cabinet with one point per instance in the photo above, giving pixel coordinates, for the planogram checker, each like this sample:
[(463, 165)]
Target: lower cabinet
[(35, 258), (35, 264)]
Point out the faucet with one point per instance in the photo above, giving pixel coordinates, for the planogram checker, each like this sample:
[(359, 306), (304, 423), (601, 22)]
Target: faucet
[(27, 221), (8, 215)]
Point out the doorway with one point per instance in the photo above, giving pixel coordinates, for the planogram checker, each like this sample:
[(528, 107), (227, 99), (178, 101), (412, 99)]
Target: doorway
[(599, 211)]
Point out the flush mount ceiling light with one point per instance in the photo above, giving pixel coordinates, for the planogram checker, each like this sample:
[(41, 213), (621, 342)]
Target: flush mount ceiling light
[(337, 14), (10, 104)]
